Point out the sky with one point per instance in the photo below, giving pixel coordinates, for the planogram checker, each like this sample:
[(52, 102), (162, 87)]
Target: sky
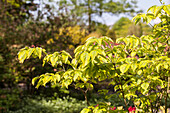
[(142, 4)]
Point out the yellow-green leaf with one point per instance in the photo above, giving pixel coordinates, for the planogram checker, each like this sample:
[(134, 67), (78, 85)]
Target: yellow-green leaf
[(30, 51), (143, 64), (145, 85), (46, 79), (22, 55), (76, 75), (38, 52), (158, 10), (166, 66), (34, 79), (158, 67), (124, 68), (66, 53), (133, 54), (56, 77), (139, 72), (53, 60), (93, 54), (167, 9), (134, 66), (85, 57), (85, 110)]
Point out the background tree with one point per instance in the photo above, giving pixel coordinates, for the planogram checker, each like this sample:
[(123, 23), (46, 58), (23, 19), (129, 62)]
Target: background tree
[(87, 9), (124, 26)]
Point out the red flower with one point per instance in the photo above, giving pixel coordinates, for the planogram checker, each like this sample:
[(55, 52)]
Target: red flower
[(133, 109), (116, 44), (97, 105), (113, 108), (32, 46), (130, 109), (136, 57)]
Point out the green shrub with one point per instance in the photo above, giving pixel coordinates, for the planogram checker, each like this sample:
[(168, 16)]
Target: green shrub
[(65, 105), (9, 99)]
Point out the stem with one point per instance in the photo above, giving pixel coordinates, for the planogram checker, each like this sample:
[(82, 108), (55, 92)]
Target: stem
[(124, 99), (84, 93), (85, 96), (166, 107), (151, 104), (166, 96), (151, 107), (159, 102)]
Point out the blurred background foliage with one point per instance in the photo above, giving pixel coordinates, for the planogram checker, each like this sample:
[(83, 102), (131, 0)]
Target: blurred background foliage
[(55, 26)]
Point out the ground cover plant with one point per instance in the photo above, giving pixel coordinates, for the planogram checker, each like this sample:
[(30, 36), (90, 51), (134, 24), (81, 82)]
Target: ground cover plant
[(44, 105), (138, 67)]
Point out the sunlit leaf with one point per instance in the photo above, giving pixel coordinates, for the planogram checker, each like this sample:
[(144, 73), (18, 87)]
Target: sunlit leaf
[(93, 54), (143, 64), (22, 55), (30, 51), (145, 85), (34, 80), (85, 110), (124, 68), (134, 66), (85, 57)]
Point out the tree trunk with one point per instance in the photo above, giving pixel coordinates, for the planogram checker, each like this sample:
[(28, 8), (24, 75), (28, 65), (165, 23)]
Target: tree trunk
[(89, 16)]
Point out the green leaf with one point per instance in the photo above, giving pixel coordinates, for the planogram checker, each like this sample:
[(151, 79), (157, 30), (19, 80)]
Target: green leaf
[(66, 53), (166, 66), (30, 51), (139, 72), (65, 58), (34, 79), (93, 54), (79, 48), (127, 41), (76, 75), (158, 67), (143, 63), (101, 52), (167, 9), (124, 68), (137, 20), (53, 60), (22, 55), (38, 52), (40, 82), (74, 63), (67, 83), (85, 110), (134, 42), (46, 79), (152, 9), (56, 77), (145, 85), (134, 66), (133, 54), (85, 57), (139, 81), (158, 10)]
